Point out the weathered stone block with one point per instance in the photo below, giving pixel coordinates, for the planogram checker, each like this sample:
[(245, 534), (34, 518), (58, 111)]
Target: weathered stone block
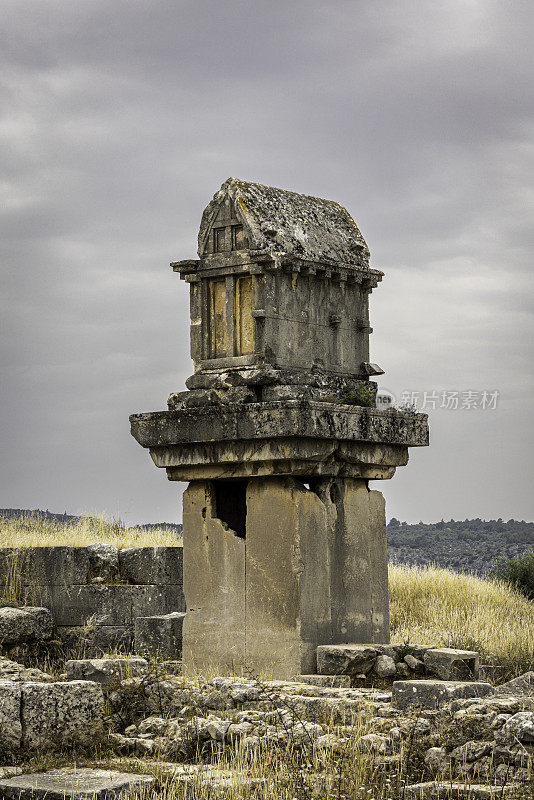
[(24, 624), (75, 783), (111, 605), (10, 718), (214, 585), (46, 715), (97, 640), (433, 694), (53, 714), (103, 561), (160, 634), (385, 666), (346, 659), (151, 565), (148, 601), (105, 670), (449, 664), (39, 566), (330, 681), (524, 684), (519, 728), (12, 671)]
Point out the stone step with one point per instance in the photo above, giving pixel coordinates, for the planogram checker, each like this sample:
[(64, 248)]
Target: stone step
[(159, 635), (106, 671), (431, 694), (74, 783)]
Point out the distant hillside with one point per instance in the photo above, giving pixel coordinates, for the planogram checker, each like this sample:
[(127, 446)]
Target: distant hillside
[(65, 519), (469, 546)]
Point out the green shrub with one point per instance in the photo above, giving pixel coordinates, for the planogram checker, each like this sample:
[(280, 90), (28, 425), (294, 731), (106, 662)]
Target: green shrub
[(517, 572), (359, 395)]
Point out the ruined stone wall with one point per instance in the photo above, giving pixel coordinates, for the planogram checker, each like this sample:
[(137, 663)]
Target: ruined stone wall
[(95, 593)]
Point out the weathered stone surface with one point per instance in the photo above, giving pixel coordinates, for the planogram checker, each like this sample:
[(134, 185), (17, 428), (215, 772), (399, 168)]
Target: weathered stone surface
[(414, 663), (457, 791), (519, 728), (523, 685), (286, 222), (333, 681), (436, 759), (151, 565), (113, 605), (385, 667), (23, 624), (449, 664), (77, 782), (53, 714), (106, 670), (279, 438), (41, 566), (346, 659), (46, 715), (160, 634), (214, 585), (470, 751), (103, 561), (433, 694), (299, 583), (10, 716), (96, 640), (11, 671)]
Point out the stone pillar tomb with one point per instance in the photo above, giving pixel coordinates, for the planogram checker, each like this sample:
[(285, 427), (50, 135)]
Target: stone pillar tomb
[(284, 541)]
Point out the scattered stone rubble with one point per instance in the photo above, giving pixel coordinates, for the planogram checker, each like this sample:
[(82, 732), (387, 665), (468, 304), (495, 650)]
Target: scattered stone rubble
[(397, 661), (483, 740), (487, 738)]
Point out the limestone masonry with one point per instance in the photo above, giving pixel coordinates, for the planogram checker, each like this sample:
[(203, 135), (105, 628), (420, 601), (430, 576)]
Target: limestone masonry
[(278, 436)]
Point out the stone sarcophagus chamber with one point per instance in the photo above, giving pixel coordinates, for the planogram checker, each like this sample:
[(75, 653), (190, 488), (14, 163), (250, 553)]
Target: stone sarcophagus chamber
[(278, 436)]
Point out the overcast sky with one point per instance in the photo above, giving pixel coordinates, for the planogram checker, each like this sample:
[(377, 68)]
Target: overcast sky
[(121, 118)]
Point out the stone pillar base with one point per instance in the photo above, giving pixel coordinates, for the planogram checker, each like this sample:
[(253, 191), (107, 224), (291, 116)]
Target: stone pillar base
[(272, 569)]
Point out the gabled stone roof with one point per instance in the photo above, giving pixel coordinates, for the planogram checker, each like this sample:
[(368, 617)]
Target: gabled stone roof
[(285, 222)]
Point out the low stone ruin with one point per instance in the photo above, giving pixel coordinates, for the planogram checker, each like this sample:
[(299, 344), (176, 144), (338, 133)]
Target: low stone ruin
[(99, 598)]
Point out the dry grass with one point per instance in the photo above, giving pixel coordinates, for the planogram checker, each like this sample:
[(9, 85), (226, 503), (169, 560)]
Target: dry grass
[(32, 531), (441, 607)]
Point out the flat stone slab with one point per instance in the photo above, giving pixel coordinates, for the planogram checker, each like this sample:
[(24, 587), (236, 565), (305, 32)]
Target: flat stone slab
[(456, 791), (106, 670), (450, 664), (432, 694), (59, 784), (331, 681)]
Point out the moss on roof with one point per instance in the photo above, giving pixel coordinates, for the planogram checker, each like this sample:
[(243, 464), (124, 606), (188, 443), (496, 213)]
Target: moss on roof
[(290, 223)]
